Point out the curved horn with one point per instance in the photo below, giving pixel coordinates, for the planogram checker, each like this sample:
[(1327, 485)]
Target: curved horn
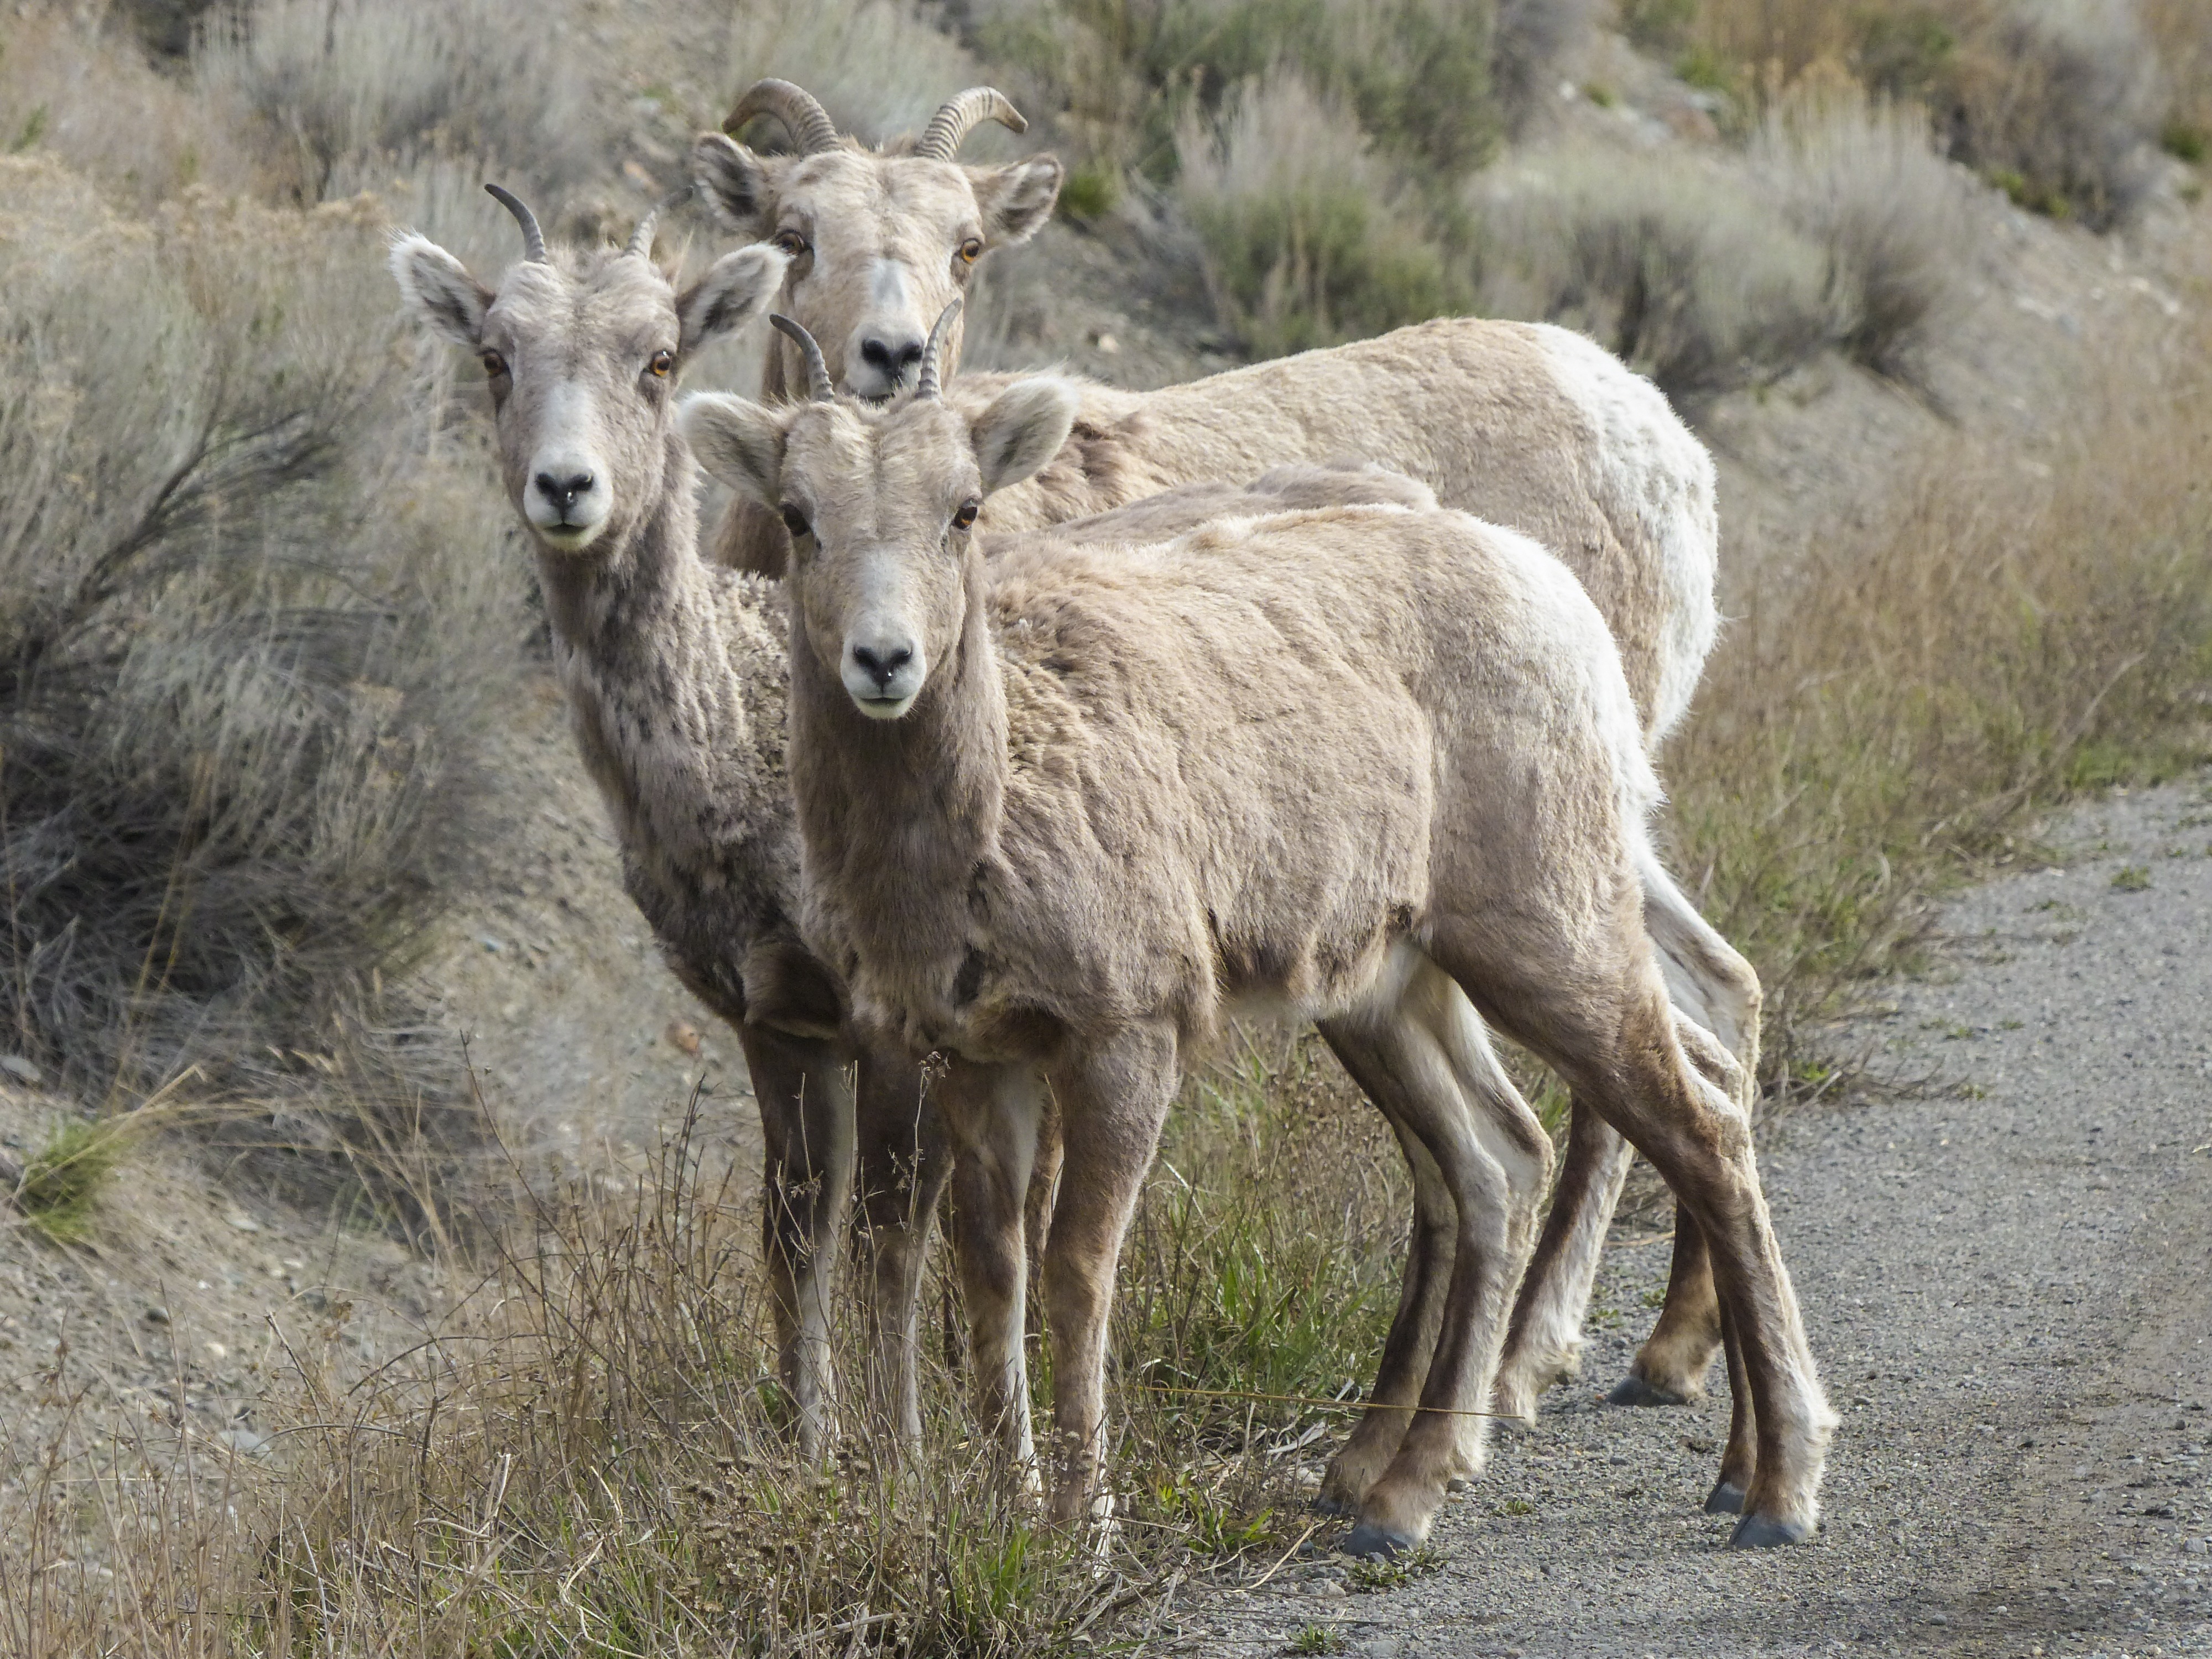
[(534, 240), (958, 117), (818, 371), (640, 239), (801, 111), (925, 379)]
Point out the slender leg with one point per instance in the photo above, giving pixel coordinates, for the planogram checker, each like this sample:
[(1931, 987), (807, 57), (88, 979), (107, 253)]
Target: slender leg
[(1493, 1158), (1740, 1455), (903, 1163), (1544, 1344), (990, 1115), (1711, 983), (1413, 1339), (1113, 1099), (805, 1090)]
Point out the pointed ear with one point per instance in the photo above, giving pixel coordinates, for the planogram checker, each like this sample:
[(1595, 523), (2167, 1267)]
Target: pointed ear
[(1024, 428), (1017, 199), (736, 181), (739, 441), (439, 290), (737, 287)]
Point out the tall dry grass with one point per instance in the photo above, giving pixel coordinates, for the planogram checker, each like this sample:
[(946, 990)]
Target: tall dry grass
[(1894, 712), (589, 1452)]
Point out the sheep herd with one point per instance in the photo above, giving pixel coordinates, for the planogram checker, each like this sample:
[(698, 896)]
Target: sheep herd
[(1013, 733)]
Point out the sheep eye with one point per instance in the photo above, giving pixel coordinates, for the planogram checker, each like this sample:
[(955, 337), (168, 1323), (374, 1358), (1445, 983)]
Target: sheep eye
[(795, 522), (494, 364), (966, 515), (662, 364), (790, 243), (970, 250)]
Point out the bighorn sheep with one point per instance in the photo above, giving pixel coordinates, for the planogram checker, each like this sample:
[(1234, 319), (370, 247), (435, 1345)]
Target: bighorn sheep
[(1524, 425), (1060, 813), (675, 677)]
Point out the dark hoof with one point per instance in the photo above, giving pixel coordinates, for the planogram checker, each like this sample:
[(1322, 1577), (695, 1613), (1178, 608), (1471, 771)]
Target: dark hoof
[(1371, 1543), (1325, 1503), (1757, 1532), (1725, 1499), (1633, 1390)]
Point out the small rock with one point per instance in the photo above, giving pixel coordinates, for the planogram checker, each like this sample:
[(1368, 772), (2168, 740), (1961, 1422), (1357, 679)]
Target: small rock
[(1107, 345), (2194, 1546), (1382, 1646), (681, 1035), (239, 1220), (155, 1316), (245, 1442), (217, 1350), (491, 945), (22, 1070)]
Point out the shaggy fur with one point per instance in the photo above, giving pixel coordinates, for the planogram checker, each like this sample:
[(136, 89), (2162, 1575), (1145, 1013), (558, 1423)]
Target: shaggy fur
[(1099, 800), (676, 679)]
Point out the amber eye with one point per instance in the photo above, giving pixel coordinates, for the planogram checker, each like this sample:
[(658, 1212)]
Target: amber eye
[(795, 522), (790, 243), (966, 515), (662, 364), (970, 250), (494, 364)]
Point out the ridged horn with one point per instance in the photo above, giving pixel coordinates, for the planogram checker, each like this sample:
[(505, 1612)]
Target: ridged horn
[(818, 371), (640, 239), (958, 117), (801, 111), (534, 240), (925, 378)]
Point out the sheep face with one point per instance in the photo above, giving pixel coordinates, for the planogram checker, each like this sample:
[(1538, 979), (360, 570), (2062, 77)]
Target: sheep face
[(580, 355), (880, 503), (879, 245)]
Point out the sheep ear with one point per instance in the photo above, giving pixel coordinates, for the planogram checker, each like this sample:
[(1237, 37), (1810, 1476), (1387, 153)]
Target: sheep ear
[(737, 289), (738, 442), (1024, 428), (1017, 198), (735, 181), (439, 290)]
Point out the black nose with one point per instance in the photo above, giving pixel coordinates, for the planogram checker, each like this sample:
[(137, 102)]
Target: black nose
[(880, 665), (889, 360), (562, 492)]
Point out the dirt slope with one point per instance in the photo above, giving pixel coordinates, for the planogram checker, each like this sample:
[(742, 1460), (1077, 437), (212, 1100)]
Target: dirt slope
[(2006, 1268)]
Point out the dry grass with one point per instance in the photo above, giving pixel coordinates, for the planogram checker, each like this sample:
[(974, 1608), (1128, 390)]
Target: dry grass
[(323, 81), (880, 67), (253, 638), (2015, 629), (1863, 182), (1310, 239), (588, 1450)]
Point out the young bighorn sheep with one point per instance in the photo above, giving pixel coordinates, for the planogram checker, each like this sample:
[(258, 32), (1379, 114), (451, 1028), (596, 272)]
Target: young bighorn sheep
[(675, 677), (1524, 425), (1062, 814)]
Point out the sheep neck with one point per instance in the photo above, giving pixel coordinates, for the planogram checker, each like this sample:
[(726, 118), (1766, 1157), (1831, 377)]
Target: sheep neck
[(901, 819)]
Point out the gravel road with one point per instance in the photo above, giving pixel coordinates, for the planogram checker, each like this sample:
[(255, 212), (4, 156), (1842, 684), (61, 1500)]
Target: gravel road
[(2005, 1261)]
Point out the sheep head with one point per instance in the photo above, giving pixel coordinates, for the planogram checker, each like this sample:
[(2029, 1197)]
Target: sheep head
[(580, 352), (881, 502), (879, 241)]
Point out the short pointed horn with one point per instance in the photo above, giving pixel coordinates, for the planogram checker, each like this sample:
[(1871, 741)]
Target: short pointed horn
[(640, 239), (534, 240), (940, 139), (818, 371), (801, 111), (925, 379)]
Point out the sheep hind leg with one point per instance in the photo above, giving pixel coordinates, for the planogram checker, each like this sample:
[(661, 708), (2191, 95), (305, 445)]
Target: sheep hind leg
[(1412, 1341), (1494, 1159)]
